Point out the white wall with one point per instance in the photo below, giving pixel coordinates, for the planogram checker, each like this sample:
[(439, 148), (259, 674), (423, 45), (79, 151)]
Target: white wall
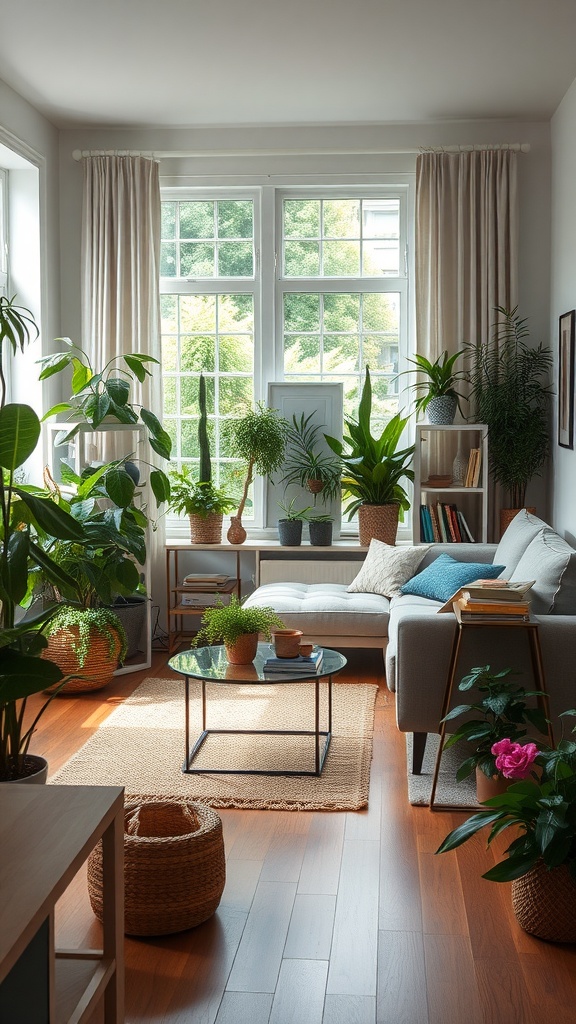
[(563, 290)]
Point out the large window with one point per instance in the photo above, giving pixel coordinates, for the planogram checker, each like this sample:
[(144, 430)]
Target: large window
[(336, 304)]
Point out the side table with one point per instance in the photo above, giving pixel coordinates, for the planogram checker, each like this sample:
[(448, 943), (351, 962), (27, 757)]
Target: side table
[(531, 629)]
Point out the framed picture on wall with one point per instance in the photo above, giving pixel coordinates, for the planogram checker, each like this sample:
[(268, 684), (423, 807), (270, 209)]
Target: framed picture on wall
[(566, 380)]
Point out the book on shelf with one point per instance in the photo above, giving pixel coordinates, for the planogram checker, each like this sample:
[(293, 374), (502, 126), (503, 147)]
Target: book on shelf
[(465, 531), (499, 590), (477, 468), (472, 472), (211, 577), (206, 583), (295, 666), (205, 599), (464, 615)]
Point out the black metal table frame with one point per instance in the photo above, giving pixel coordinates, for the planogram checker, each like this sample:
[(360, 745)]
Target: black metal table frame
[(317, 732)]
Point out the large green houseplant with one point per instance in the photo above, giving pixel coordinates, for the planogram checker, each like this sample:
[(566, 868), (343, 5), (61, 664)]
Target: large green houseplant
[(25, 512), (373, 469), (258, 439), (510, 390)]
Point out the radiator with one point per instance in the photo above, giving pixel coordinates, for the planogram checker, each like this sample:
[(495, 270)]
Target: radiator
[(307, 571)]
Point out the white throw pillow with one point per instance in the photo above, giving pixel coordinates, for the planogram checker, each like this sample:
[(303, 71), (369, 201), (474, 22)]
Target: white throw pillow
[(386, 568), (550, 561), (515, 539)]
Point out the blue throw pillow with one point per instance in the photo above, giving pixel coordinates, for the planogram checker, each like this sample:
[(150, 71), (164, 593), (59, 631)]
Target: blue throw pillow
[(444, 576)]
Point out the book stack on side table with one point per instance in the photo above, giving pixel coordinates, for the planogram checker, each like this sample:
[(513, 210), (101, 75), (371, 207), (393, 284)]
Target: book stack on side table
[(205, 590), (300, 665), (492, 601)]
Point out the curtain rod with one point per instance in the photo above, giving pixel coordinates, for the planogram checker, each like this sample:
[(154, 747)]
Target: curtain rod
[(517, 147)]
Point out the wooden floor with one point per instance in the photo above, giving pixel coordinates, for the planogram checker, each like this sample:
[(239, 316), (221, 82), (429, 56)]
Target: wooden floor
[(332, 918)]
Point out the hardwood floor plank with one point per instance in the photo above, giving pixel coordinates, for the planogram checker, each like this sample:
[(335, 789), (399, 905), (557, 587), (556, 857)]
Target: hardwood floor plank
[(443, 911), (259, 956), (451, 985), (349, 1010), (353, 960), (245, 1006), (283, 860), (320, 869), (300, 992), (242, 877), (401, 995), (310, 932), (503, 993)]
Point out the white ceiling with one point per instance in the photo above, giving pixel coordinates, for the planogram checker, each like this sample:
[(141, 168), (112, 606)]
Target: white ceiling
[(155, 63)]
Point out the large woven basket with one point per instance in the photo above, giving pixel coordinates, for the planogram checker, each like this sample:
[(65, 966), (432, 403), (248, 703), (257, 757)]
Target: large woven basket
[(379, 521), (544, 903), (206, 530), (99, 667), (174, 867)]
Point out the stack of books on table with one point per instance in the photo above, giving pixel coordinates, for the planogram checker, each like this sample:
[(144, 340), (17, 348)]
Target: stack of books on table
[(208, 581), (294, 666), (493, 601), (202, 590)]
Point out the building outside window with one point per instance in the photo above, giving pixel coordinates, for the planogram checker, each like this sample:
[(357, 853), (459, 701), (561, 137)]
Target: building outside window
[(337, 303)]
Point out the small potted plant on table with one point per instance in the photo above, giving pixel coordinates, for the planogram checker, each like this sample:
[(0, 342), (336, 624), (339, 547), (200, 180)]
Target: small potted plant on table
[(238, 628), (290, 525)]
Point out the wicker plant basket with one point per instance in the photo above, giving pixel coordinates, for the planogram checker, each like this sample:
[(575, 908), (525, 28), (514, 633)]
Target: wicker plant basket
[(206, 530), (508, 514), (99, 667), (544, 903), (379, 521), (174, 867)]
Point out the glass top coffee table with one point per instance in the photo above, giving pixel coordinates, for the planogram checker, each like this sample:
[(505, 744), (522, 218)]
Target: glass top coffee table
[(210, 665)]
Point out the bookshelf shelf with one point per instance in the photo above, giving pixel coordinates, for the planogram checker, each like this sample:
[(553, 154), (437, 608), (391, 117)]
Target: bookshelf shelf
[(434, 455)]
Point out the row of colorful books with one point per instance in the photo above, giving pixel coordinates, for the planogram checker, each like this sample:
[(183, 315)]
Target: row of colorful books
[(444, 523)]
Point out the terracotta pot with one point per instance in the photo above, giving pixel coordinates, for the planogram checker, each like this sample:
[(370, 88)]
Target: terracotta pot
[(508, 514), (287, 642), (236, 532), (544, 903), (206, 529), (487, 788), (244, 650), (379, 521)]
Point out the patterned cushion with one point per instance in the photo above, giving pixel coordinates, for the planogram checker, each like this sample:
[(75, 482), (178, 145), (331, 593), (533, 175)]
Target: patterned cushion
[(445, 576), (386, 568)]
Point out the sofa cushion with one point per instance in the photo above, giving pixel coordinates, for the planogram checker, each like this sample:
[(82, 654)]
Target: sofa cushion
[(324, 609), (386, 568), (440, 580), (516, 539), (552, 563)]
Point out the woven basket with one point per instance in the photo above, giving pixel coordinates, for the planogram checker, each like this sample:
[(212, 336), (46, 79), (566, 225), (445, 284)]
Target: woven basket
[(508, 514), (544, 903), (206, 530), (379, 521), (99, 667), (174, 867)]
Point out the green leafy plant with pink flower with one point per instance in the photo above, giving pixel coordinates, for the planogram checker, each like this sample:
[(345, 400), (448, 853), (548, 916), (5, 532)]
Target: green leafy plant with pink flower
[(503, 711), (541, 805)]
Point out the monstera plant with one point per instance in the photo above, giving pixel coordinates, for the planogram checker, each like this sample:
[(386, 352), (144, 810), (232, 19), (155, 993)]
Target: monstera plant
[(25, 512)]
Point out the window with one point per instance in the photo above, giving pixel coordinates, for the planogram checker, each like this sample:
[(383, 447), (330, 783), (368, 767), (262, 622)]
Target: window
[(337, 303), (3, 232)]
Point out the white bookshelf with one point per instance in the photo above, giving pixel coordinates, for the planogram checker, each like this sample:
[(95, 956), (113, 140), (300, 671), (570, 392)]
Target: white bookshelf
[(434, 456)]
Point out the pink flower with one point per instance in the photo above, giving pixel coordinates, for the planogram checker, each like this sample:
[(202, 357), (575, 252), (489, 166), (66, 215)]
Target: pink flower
[(513, 760)]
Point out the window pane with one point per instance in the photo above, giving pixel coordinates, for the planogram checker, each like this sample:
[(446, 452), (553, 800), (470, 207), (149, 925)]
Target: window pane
[(235, 219), (301, 312), (341, 353), (197, 353), (197, 313), (169, 313), (168, 259), (196, 259), (341, 312), (381, 257), (168, 220), (169, 395), (169, 353), (341, 259), (301, 218), (197, 220), (236, 353), (341, 218), (302, 353), (236, 395), (235, 259), (302, 259), (380, 312)]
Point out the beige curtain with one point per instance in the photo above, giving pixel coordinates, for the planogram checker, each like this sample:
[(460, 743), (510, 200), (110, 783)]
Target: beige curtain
[(466, 250), (120, 287)]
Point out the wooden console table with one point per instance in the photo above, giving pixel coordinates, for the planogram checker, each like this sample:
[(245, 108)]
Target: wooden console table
[(46, 834), (531, 630)]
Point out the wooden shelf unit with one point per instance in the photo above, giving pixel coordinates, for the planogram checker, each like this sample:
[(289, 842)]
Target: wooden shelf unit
[(47, 832), (472, 501)]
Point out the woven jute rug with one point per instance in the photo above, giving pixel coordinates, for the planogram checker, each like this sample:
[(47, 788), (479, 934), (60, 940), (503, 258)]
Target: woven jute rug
[(141, 746), (449, 792)]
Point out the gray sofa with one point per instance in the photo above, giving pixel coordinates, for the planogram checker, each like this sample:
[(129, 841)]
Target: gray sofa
[(417, 641)]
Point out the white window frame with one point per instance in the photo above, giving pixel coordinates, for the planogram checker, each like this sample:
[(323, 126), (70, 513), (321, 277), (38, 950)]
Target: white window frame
[(268, 285), (3, 231)]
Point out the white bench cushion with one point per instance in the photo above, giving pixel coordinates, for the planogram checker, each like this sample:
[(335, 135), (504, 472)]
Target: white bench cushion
[(324, 609)]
